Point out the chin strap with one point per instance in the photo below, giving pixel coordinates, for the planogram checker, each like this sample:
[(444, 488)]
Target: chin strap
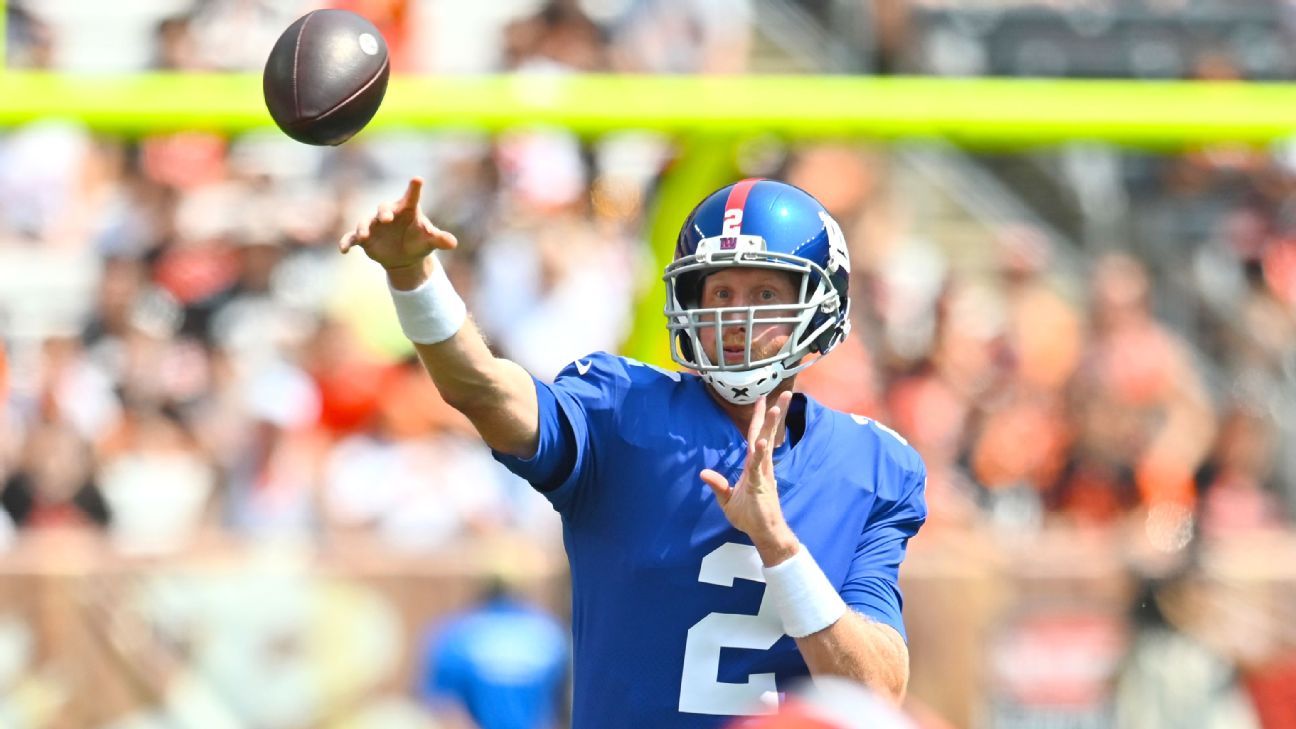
[(745, 388)]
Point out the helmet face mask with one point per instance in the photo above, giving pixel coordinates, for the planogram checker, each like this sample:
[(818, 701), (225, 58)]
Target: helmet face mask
[(794, 234)]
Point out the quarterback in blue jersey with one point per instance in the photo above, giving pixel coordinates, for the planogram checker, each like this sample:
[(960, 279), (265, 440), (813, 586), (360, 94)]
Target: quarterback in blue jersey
[(726, 536)]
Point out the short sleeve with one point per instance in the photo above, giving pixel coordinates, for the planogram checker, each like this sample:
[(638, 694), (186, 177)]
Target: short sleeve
[(575, 412), (872, 582)]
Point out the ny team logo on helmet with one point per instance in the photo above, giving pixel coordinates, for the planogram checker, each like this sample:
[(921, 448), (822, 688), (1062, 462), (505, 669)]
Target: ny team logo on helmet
[(758, 224)]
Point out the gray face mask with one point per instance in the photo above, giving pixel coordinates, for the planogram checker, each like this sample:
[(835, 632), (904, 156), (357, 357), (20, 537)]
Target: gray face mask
[(818, 319)]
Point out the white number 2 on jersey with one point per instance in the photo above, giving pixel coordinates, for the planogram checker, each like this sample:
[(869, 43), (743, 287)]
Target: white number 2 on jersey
[(700, 690)]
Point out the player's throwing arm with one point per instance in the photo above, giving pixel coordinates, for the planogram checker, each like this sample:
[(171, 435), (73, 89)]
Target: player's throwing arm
[(497, 395)]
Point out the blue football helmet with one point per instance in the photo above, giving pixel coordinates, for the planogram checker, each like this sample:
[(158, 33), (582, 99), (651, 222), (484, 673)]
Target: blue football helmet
[(768, 224)]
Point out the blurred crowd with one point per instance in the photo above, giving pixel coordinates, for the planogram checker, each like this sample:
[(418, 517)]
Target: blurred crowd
[(183, 352), (1047, 387), (183, 333), (1051, 38), (180, 330), (632, 36)]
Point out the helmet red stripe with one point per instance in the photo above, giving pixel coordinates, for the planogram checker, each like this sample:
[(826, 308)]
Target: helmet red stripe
[(737, 201)]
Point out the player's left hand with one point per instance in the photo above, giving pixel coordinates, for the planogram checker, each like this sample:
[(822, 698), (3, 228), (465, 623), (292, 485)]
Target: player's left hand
[(752, 504)]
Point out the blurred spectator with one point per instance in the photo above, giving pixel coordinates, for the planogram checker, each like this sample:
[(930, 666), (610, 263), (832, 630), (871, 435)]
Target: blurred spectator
[(501, 664), (118, 306), (414, 481), (892, 33), (934, 419), (156, 479), (54, 484), (414, 493), (238, 34), (1145, 421), (684, 36), (29, 41), (45, 170), (1172, 676), (176, 49), (268, 444), (545, 280), (252, 315), (558, 36), (1035, 354), (350, 379), (551, 264), (1237, 495), (71, 388)]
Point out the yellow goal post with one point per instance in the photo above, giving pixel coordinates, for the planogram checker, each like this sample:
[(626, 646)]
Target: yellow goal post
[(709, 114)]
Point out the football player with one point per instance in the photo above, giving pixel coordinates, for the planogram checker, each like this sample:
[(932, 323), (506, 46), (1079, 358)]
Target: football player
[(725, 534)]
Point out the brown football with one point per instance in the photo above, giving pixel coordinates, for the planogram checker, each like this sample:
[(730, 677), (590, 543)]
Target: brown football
[(326, 76)]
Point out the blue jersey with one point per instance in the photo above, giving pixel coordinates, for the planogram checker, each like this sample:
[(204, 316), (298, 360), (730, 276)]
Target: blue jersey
[(670, 622)]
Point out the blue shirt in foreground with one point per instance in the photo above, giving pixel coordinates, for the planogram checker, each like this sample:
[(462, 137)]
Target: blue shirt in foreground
[(503, 662), (670, 625)]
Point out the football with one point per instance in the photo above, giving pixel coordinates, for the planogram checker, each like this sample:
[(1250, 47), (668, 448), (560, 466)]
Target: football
[(326, 76)]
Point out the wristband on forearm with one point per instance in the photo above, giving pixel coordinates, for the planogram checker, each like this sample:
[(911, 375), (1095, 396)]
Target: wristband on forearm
[(803, 597), (431, 313)]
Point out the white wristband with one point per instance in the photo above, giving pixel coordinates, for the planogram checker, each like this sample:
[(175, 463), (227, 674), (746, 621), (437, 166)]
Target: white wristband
[(804, 598), (431, 313)]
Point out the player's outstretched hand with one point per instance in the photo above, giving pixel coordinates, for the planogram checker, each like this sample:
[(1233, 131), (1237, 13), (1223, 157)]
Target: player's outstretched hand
[(399, 235), (752, 504)]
